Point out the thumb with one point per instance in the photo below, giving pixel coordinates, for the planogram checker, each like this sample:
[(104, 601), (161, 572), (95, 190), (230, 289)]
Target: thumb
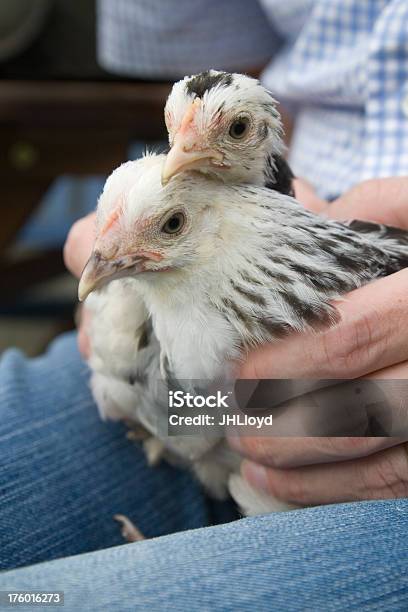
[(383, 200), (306, 194), (79, 243)]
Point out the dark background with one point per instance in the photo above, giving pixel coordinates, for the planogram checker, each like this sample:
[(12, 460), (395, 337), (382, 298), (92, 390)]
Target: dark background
[(65, 123)]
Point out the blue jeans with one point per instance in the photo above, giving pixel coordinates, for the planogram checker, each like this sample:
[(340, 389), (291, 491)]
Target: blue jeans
[(64, 474)]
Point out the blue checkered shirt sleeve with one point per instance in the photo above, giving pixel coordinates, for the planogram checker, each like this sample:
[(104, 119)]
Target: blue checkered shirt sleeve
[(345, 75), (167, 39)]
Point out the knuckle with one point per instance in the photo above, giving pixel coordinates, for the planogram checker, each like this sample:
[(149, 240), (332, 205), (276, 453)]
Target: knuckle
[(258, 363), (355, 346), (387, 476), (391, 473), (67, 255), (71, 243), (250, 368), (369, 188), (347, 446), (293, 489), (366, 191), (259, 449), (75, 231)]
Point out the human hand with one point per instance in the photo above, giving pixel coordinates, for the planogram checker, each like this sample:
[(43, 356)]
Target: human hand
[(77, 250), (383, 200), (370, 340)]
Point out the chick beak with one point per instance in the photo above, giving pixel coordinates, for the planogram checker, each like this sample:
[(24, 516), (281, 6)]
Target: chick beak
[(187, 152), (99, 271), (180, 159)]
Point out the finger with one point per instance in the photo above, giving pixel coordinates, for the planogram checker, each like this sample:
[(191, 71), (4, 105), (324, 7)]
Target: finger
[(344, 420), (306, 194), (83, 339), (371, 335), (79, 243), (383, 475), (383, 200), (316, 407), (399, 371), (294, 451)]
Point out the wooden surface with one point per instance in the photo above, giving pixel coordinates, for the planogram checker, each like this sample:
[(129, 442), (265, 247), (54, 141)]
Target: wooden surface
[(136, 107)]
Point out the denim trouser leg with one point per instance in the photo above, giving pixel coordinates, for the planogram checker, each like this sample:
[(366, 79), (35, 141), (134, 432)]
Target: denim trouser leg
[(64, 473), (341, 557)]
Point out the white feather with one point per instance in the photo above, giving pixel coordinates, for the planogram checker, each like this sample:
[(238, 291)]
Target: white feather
[(246, 237)]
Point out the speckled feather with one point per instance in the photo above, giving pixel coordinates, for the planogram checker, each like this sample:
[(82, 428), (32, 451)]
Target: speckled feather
[(225, 95), (251, 266)]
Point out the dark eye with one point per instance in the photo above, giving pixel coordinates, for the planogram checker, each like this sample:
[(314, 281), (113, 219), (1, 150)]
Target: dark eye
[(174, 223), (239, 128)]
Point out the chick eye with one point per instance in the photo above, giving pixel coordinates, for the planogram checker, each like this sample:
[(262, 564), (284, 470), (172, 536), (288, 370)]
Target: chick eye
[(239, 128), (174, 224)]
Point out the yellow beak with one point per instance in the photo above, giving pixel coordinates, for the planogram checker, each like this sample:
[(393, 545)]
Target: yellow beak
[(179, 159)]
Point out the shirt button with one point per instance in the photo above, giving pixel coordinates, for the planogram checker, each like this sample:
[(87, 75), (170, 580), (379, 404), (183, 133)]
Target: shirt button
[(405, 106)]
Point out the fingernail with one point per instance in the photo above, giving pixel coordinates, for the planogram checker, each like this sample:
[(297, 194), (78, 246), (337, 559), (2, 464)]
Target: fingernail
[(255, 474)]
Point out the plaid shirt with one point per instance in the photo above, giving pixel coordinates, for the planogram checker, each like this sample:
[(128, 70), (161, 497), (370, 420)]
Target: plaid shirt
[(340, 65)]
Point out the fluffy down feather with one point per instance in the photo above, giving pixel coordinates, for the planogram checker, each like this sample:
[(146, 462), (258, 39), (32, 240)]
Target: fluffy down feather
[(247, 265)]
